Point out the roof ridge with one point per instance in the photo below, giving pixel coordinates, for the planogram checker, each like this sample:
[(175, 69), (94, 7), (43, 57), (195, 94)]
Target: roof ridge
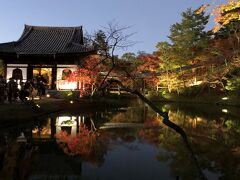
[(47, 40), (53, 27), (25, 33)]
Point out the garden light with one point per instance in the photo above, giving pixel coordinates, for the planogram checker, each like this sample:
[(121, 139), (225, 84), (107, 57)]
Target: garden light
[(225, 110)]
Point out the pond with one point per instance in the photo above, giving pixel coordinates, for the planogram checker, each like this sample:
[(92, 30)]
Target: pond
[(125, 143)]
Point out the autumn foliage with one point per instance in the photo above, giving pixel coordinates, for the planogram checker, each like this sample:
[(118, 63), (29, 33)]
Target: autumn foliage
[(81, 144), (226, 13), (149, 65), (151, 131)]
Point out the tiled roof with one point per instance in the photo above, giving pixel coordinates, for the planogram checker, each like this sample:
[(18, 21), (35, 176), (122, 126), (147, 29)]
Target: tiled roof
[(7, 47), (47, 40)]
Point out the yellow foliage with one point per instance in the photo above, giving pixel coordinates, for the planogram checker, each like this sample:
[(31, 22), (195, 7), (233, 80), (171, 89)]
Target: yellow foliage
[(202, 8), (225, 13)]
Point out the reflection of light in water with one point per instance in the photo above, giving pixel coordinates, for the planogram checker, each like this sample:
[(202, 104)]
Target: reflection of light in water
[(35, 130), (62, 119), (225, 110), (69, 121), (225, 98), (45, 131), (199, 119), (21, 138)]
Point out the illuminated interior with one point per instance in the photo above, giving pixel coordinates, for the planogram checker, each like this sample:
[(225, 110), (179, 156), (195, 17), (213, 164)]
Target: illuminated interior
[(62, 83), (45, 72), (66, 85)]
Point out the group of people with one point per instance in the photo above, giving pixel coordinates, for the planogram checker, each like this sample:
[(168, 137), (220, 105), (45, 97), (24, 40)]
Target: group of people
[(11, 90)]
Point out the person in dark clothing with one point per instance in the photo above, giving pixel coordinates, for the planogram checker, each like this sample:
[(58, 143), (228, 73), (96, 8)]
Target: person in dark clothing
[(24, 92), (41, 81), (11, 90), (17, 74), (2, 89)]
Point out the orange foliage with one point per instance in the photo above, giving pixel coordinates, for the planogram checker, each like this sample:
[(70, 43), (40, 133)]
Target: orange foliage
[(202, 8), (224, 13), (87, 73), (149, 65)]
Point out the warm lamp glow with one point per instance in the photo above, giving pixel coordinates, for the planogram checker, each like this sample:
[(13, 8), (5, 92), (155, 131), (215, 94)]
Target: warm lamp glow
[(66, 85), (48, 95), (195, 83), (199, 119), (225, 98), (225, 110), (71, 102)]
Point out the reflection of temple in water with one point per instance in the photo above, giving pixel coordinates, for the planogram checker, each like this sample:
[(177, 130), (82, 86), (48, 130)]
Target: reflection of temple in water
[(51, 162), (53, 126)]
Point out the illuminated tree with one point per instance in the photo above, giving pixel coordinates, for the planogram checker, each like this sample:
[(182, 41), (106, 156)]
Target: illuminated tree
[(148, 67), (226, 13), (88, 73)]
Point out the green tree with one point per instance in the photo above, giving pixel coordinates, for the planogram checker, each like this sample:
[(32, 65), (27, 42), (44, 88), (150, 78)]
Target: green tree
[(100, 43), (129, 57), (166, 56), (188, 36)]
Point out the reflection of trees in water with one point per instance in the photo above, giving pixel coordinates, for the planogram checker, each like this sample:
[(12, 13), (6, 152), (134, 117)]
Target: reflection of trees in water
[(175, 127), (172, 149), (216, 144), (87, 144), (92, 146), (130, 114)]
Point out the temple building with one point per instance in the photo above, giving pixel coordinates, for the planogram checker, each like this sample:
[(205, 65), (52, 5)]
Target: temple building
[(50, 52)]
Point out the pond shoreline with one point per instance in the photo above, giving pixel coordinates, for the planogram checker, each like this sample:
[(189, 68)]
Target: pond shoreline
[(211, 99), (18, 113), (216, 103)]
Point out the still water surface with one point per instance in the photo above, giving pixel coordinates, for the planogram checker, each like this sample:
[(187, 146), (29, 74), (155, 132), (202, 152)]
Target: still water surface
[(125, 143)]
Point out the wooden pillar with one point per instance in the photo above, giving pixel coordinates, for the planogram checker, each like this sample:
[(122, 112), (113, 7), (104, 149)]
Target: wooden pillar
[(78, 124), (53, 127), (54, 77), (5, 70), (29, 72)]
